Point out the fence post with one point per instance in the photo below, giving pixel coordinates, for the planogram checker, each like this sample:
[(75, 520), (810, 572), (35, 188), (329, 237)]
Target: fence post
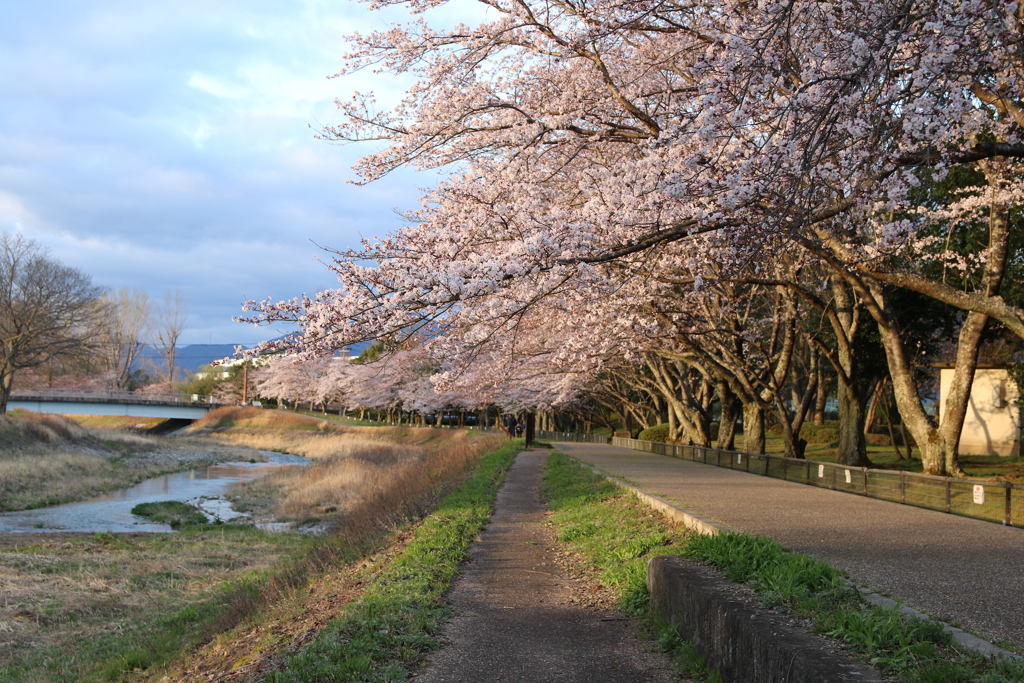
[(865, 470), (903, 486), (949, 507), (1007, 518), (785, 469), (807, 479)]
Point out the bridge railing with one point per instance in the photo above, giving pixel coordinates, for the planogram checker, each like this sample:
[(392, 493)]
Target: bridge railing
[(108, 396)]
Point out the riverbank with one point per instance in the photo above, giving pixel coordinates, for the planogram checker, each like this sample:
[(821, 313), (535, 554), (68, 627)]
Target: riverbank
[(132, 606), (49, 459), (351, 465)]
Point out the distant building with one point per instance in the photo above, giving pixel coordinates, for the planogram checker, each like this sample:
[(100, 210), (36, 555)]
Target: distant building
[(992, 425)]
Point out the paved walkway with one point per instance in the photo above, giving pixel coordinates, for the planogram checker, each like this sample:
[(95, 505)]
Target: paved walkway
[(964, 571), (519, 617)]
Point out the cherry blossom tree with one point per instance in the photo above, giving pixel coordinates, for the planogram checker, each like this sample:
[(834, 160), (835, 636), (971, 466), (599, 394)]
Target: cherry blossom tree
[(592, 148)]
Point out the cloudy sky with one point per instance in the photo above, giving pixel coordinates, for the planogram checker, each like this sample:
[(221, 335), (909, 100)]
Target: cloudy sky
[(157, 145)]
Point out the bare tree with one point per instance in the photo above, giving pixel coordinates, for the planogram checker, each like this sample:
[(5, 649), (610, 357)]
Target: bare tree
[(124, 321), (46, 309), (168, 326)]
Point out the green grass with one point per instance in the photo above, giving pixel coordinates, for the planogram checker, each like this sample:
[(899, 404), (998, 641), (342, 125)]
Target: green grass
[(618, 535), (385, 633), (883, 457), (171, 512), (900, 646), (347, 420)]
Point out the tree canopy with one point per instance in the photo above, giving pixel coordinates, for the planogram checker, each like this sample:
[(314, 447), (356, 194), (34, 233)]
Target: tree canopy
[(46, 309), (655, 182)]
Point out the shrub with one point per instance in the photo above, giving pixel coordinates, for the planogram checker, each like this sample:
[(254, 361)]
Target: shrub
[(826, 433), (812, 433), (657, 433)]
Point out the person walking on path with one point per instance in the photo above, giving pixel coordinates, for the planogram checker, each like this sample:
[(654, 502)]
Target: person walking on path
[(510, 426), (519, 617)]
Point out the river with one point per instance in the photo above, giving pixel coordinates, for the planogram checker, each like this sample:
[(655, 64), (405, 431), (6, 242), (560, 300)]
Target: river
[(113, 511)]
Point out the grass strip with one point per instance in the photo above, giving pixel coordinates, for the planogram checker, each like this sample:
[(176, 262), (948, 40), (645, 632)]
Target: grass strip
[(618, 535), (900, 646), (386, 632)]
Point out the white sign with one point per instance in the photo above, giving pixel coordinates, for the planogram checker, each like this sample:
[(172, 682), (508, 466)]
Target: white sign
[(848, 479), (821, 471), (739, 458), (979, 494)]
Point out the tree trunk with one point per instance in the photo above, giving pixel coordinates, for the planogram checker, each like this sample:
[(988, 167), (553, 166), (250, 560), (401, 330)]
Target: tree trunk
[(674, 432), (872, 410), (955, 406), (821, 399), (6, 385), (853, 450), (753, 428), (727, 423)]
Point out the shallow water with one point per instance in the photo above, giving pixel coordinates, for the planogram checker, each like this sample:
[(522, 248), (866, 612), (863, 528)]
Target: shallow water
[(112, 511)]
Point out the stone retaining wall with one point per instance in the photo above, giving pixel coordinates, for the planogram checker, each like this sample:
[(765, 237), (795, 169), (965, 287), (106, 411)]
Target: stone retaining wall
[(743, 644)]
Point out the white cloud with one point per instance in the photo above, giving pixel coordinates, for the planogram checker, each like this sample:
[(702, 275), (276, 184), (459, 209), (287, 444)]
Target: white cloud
[(215, 87), (156, 145)]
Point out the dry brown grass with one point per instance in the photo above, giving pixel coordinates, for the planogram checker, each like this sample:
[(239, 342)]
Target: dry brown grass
[(25, 429), (256, 418), (63, 594), (118, 422), (361, 475), (50, 459), (375, 485)]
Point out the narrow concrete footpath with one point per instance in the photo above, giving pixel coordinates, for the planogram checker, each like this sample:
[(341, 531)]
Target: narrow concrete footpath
[(964, 571), (519, 617)]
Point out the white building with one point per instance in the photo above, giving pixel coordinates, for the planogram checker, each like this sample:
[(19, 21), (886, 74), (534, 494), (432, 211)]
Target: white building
[(992, 425)]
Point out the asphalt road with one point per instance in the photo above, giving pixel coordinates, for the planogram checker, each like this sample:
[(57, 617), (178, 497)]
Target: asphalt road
[(963, 571)]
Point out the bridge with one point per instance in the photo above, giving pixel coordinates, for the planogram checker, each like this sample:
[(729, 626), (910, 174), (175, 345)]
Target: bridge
[(122, 403)]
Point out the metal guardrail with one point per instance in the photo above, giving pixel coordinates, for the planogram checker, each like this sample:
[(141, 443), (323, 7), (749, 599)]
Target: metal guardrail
[(78, 395), (991, 501)]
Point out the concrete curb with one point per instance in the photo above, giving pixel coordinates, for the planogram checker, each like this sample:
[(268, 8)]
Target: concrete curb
[(703, 525), (742, 643), (673, 511), (962, 638)]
